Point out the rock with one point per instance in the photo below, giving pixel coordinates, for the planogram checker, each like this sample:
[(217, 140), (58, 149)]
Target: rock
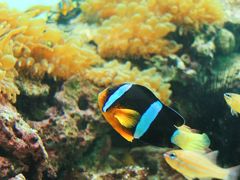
[(203, 48), (72, 127), (18, 139), (33, 88), (18, 177), (152, 158), (130, 172), (10, 168), (225, 42)]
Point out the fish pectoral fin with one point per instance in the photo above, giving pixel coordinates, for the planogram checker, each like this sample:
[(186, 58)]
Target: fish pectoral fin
[(127, 117)]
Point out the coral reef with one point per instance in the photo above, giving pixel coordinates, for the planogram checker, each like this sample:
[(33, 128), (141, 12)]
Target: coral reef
[(17, 133), (30, 87), (144, 32), (71, 128), (232, 8), (18, 177), (139, 28), (53, 73), (21, 141), (225, 42), (151, 157), (191, 12), (9, 168), (7, 62), (188, 12), (143, 35), (38, 48), (130, 172)]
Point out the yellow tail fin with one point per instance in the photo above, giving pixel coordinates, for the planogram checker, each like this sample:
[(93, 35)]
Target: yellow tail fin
[(187, 139)]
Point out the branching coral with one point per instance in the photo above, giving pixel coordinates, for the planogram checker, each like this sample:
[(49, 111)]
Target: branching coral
[(114, 73)]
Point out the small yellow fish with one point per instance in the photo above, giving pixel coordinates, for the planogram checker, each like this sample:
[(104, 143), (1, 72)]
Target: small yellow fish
[(184, 137), (196, 165), (66, 6), (233, 100)]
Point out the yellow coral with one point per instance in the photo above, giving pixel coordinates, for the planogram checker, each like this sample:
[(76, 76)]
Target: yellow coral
[(113, 73), (37, 48), (94, 10), (7, 61), (7, 85), (139, 27), (194, 12), (69, 59), (43, 48), (190, 12), (135, 33)]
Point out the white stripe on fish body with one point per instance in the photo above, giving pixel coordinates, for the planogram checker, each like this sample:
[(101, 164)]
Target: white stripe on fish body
[(116, 95), (147, 118)]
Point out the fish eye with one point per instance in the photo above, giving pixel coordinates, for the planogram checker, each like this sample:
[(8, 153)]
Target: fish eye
[(172, 155), (227, 95)]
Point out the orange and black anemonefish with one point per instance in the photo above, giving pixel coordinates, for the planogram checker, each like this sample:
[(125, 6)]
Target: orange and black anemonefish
[(137, 114)]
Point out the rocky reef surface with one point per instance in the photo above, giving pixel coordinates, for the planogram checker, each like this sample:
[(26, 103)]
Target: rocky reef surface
[(52, 69)]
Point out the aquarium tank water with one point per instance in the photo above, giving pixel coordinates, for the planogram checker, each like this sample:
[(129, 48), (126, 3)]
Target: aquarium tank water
[(119, 89)]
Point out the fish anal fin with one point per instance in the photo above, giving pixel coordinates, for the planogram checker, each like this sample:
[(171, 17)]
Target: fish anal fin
[(127, 117), (188, 178), (212, 156)]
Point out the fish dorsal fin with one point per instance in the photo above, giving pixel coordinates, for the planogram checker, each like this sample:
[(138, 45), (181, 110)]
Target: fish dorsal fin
[(186, 129), (212, 156), (127, 117)]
